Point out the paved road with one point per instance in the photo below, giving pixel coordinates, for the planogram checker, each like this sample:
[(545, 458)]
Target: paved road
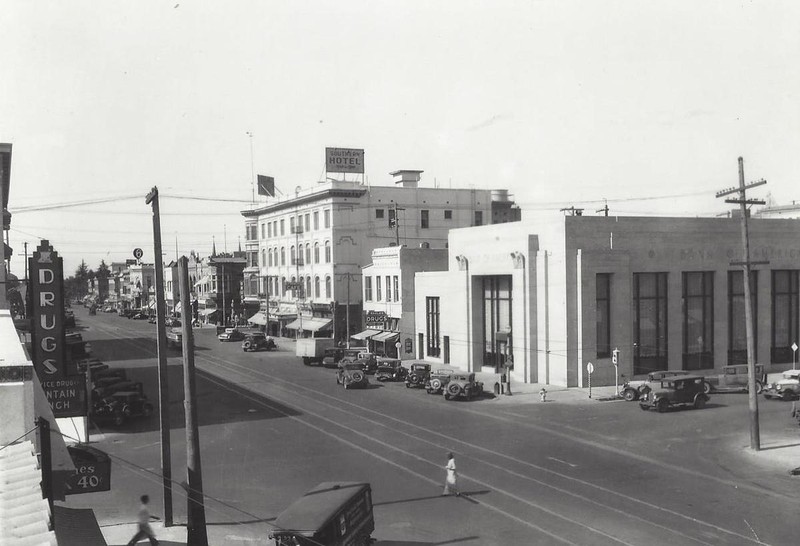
[(605, 473)]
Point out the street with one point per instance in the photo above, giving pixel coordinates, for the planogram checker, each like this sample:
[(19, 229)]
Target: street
[(531, 473)]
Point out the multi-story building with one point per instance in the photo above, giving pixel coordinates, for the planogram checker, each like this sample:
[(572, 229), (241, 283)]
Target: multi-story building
[(389, 297), (305, 252)]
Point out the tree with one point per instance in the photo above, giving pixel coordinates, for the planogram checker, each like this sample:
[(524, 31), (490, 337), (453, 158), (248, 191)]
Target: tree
[(103, 272), (81, 276)]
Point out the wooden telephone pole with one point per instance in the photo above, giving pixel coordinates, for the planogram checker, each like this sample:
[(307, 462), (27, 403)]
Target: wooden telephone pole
[(755, 437)]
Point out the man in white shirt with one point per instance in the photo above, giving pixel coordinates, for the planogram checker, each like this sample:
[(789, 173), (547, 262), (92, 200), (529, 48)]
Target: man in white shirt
[(451, 480), (144, 529)]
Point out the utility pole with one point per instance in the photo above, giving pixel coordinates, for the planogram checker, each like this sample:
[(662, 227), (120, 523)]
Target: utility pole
[(196, 533), (396, 226), (163, 373), (755, 437)]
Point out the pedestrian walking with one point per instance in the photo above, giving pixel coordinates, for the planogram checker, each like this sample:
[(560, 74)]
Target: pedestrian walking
[(451, 480), (144, 529)]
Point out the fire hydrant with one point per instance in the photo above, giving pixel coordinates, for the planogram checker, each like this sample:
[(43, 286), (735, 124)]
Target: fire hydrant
[(543, 394)]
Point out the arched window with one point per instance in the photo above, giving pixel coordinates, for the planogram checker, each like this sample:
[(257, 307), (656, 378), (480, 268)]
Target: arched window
[(264, 258), (292, 255), (308, 253), (327, 252), (308, 287), (316, 253), (316, 287), (270, 256), (283, 285), (327, 287), (283, 255)]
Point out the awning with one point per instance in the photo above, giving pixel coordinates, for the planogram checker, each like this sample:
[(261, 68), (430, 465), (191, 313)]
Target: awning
[(258, 318), (310, 324), (207, 312), (77, 527), (366, 334), (151, 305), (283, 312), (386, 336)]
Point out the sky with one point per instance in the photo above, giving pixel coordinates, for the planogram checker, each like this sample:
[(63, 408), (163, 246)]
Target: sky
[(647, 105)]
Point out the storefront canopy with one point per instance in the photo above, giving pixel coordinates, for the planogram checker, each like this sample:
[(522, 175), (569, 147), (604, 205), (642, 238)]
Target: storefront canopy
[(207, 312), (366, 334), (258, 318), (310, 324), (386, 336)]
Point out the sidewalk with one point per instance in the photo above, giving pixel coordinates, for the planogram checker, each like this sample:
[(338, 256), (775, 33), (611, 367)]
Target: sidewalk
[(231, 535)]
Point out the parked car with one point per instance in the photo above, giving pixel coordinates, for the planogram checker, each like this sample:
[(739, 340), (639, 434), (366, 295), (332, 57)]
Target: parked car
[(361, 353), (231, 334), (91, 363), (332, 513), (351, 375), (332, 356), (438, 379), (418, 375), (463, 385), (632, 389), (258, 342), (121, 406), (687, 390), (734, 378), (786, 388), (171, 322), (390, 369), (109, 372), (175, 338), (139, 316), (103, 388)]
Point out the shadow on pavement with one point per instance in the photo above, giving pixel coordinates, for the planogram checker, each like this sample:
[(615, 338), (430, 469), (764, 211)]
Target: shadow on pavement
[(219, 402), (464, 494), (414, 543), (136, 348)]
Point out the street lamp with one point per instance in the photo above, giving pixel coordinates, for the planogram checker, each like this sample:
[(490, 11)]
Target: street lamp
[(794, 355)]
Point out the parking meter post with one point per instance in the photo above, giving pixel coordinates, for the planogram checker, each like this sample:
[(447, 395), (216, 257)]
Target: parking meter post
[(589, 370)]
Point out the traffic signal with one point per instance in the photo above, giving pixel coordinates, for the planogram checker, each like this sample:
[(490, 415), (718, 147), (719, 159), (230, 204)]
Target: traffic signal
[(614, 356)]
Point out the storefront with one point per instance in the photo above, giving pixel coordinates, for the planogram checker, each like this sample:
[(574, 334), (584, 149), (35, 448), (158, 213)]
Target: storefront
[(543, 299)]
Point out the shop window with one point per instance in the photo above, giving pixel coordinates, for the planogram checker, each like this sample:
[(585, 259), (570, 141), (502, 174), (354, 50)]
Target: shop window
[(649, 322), (737, 333), (432, 326), (423, 219), (603, 314), (377, 288), (784, 314), (698, 320), (367, 288)]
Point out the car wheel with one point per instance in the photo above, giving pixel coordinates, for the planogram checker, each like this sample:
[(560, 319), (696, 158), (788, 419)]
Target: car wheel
[(306, 360), (707, 387), (246, 346), (358, 377), (436, 384), (662, 405), (629, 395), (454, 389), (699, 402), (786, 395)]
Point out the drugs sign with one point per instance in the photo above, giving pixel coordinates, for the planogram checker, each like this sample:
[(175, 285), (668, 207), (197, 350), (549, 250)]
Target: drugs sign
[(47, 303), (344, 160)]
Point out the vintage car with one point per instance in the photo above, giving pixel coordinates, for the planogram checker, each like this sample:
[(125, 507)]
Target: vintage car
[(734, 378), (139, 316), (351, 375), (370, 360), (438, 379), (685, 390), (390, 369), (632, 389), (108, 372), (463, 385), (175, 338), (786, 388), (152, 319), (171, 322), (110, 385), (332, 513), (231, 334), (121, 406), (418, 375), (332, 356), (92, 364), (258, 342)]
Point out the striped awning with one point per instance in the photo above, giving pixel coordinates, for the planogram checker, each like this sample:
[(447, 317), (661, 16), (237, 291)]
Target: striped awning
[(310, 324), (366, 334), (258, 318), (386, 336)]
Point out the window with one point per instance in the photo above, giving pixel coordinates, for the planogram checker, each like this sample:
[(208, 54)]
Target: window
[(396, 288), (478, 217), (388, 288), (327, 252), (737, 333), (423, 219), (308, 287), (367, 288), (378, 213), (497, 292), (432, 325), (269, 229), (263, 255), (327, 217), (308, 253), (316, 287), (603, 314), (293, 255), (283, 255), (392, 218), (448, 214), (327, 287), (784, 314), (377, 288), (308, 222), (316, 219), (316, 253), (291, 225), (698, 320), (649, 322), (282, 225)]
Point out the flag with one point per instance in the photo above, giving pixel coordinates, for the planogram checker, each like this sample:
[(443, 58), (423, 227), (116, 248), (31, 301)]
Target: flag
[(266, 185)]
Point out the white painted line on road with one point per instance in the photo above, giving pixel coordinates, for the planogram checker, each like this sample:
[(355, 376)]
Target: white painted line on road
[(563, 462)]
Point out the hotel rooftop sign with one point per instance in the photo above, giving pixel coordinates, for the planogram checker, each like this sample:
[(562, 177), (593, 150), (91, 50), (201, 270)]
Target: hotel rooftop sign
[(344, 160)]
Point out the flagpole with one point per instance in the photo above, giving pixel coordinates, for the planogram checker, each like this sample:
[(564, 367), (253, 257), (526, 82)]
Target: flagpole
[(252, 167)]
